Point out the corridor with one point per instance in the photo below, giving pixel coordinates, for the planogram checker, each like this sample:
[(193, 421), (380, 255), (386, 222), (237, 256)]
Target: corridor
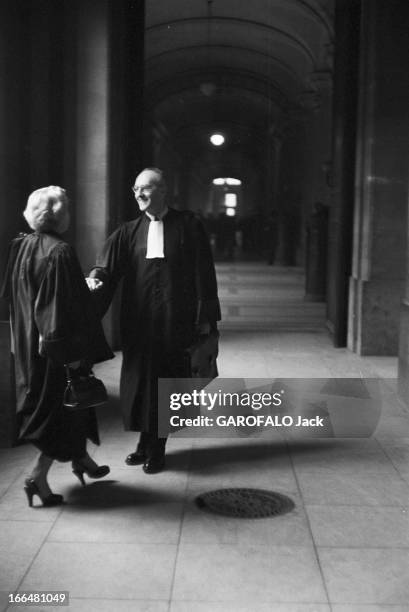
[(137, 543), (255, 296)]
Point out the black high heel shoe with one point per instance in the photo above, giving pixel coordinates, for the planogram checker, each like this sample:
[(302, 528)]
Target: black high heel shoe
[(79, 470), (31, 489)]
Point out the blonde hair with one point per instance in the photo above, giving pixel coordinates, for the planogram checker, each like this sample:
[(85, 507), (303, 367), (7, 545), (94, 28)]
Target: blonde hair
[(47, 209)]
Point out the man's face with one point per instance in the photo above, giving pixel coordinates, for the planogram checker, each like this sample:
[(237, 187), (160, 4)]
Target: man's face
[(149, 192)]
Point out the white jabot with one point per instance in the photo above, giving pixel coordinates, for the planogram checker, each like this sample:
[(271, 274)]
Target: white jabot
[(154, 245)]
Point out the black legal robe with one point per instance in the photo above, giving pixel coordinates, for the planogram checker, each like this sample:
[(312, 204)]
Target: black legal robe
[(53, 322), (162, 300)]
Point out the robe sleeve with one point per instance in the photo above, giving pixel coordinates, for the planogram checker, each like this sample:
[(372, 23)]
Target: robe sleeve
[(67, 323), (5, 291), (110, 267), (208, 310)]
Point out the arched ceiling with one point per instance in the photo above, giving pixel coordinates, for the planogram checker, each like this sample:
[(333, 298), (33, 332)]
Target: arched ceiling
[(237, 66)]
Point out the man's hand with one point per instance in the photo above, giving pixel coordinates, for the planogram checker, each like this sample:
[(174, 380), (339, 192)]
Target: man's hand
[(93, 283)]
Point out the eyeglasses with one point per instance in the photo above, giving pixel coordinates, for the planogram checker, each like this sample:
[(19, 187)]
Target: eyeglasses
[(145, 190)]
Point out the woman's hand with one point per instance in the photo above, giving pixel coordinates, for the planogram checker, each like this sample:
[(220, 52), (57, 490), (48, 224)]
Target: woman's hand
[(93, 283)]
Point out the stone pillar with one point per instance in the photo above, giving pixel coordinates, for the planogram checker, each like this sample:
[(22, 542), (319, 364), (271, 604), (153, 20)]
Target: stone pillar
[(126, 154), (291, 173), (14, 163), (109, 114), (380, 232), (14, 123), (316, 254), (316, 153), (92, 129), (347, 39), (108, 124)]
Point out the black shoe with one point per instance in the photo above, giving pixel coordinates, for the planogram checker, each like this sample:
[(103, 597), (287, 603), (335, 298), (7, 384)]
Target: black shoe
[(154, 464), (79, 470), (136, 458), (31, 489)]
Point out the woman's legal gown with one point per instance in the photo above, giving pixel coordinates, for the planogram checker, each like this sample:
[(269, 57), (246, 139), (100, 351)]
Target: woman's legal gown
[(53, 322)]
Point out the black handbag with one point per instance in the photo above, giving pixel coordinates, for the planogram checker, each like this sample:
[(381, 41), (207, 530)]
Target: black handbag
[(201, 357), (83, 391)]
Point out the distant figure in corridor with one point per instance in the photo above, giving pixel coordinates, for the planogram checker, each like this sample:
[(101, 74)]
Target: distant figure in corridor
[(169, 296), (271, 237), (53, 323), (226, 236)]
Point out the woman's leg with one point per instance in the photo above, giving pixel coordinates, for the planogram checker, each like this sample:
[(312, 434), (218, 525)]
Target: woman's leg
[(40, 472), (86, 465), (86, 462)]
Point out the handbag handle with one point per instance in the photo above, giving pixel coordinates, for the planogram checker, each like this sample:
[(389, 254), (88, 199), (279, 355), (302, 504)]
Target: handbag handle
[(67, 373)]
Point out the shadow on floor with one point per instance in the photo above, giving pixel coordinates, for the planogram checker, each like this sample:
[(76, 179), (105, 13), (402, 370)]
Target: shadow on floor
[(112, 494)]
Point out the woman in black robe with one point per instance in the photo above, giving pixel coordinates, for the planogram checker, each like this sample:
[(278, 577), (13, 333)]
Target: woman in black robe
[(53, 323)]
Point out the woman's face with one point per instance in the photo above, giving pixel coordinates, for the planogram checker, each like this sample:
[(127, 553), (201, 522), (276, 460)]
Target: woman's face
[(64, 222)]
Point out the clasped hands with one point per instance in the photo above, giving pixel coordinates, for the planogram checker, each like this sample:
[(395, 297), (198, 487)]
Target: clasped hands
[(93, 283)]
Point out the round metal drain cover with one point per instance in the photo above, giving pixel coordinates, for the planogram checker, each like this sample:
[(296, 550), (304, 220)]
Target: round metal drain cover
[(245, 503)]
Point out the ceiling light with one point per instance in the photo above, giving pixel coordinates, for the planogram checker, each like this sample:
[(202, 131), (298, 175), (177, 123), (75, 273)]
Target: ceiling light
[(217, 139)]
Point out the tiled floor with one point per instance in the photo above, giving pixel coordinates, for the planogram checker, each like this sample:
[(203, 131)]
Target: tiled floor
[(134, 542)]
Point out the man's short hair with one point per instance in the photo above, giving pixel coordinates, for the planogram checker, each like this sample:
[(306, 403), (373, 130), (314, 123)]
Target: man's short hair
[(46, 209), (157, 171)]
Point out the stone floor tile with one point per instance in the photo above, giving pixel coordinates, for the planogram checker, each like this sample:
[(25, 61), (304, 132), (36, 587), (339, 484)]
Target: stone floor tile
[(147, 522), (346, 455), (14, 505), (367, 608), (248, 574), (3, 601), (103, 605), (373, 576), (398, 452), (18, 456), (8, 474), (127, 486), (362, 527), (385, 367), (213, 606), (4, 486), (106, 571), (280, 481), (247, 461), (291, 529), (353, 489), (392, 427), (19, 543)]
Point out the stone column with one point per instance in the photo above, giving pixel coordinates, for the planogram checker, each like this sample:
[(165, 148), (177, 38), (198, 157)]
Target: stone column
[(109, 114), (91, 181), (347, 39), (14, 123), (14, 156), (291, 175), (380, 232), (316, 192)]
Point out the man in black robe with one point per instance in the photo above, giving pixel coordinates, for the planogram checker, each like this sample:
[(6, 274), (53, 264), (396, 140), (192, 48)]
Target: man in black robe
[(169, 295)]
